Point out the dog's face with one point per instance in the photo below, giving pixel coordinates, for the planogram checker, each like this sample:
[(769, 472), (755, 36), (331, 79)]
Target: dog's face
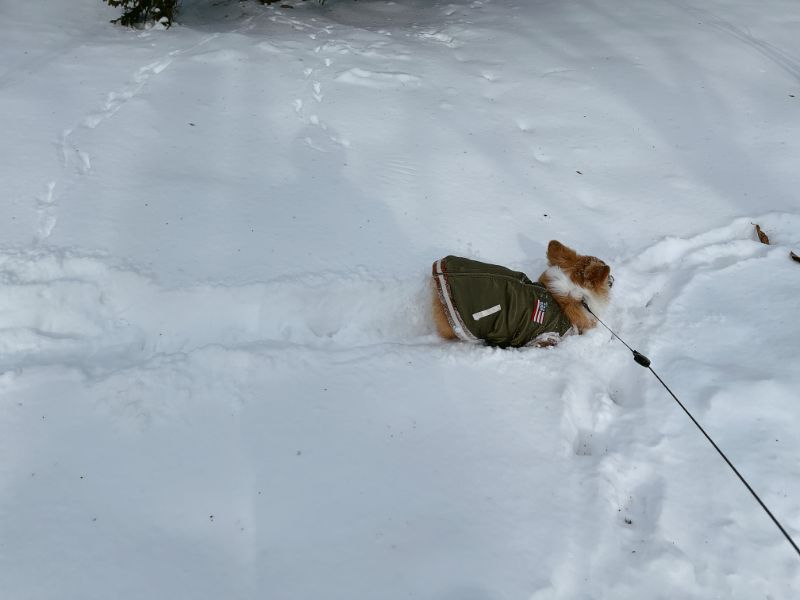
[(587, 272)]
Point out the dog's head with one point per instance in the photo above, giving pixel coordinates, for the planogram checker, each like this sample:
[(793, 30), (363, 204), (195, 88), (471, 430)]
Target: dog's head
[(586, 272)]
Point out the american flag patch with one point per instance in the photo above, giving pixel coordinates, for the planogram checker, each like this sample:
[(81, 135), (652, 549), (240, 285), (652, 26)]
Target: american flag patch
[(538, 312)]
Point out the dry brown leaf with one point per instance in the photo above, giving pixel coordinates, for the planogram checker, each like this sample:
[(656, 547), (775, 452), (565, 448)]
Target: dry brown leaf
[(762, 236)]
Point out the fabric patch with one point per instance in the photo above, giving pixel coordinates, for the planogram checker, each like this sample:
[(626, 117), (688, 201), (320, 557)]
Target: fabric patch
[(538, 312), (485, 313)]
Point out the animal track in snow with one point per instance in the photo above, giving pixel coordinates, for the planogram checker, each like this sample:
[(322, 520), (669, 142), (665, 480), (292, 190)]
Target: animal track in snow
[(317, 142), (317, 93), (46, 209), (293, 23), (116, 100), (674, 263), (781, 58), (637, 492), (372, 50), (440, 37), (59, 306), (68, 148), (379, 79), (716, 248), (587, 416)]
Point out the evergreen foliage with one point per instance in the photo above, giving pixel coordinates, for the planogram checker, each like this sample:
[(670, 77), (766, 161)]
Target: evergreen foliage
[(142, 11)]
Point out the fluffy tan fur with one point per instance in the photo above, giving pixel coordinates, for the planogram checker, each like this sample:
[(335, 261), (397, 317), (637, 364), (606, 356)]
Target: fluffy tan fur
[(571, 278), (443, 327)]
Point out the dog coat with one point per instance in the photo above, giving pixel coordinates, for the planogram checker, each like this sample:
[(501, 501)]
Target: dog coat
[(495, 304)]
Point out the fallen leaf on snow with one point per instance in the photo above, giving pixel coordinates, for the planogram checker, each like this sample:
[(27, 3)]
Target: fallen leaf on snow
[(762, 236)]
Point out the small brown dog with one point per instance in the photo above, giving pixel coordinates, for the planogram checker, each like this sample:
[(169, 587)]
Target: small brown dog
[(476, 301)]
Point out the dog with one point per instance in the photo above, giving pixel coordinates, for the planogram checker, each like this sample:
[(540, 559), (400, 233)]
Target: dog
[(481, 302)]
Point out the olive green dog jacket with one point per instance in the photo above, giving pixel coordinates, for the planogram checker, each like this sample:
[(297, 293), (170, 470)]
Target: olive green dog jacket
[(495, 304)]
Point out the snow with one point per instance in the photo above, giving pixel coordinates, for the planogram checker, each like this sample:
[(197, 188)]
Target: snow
[(219, 376)]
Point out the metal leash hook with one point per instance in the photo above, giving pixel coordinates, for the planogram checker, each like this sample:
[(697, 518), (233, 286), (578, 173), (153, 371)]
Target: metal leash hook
[(642, 360)]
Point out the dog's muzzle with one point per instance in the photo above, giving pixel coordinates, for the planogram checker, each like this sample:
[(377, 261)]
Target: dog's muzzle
[(610, 281)]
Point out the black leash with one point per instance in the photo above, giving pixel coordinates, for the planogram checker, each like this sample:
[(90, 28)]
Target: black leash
[(642, 360)]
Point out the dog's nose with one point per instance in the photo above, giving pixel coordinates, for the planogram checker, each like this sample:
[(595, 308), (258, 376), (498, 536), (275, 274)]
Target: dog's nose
[(610, 281)]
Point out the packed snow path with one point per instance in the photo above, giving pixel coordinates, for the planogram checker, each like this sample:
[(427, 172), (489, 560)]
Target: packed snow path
[(218, 373)]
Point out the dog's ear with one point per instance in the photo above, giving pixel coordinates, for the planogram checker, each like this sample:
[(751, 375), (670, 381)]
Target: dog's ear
[(560, 255), (597, 274)]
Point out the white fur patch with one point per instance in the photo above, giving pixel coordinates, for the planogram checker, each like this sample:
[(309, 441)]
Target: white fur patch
[(560, 283)]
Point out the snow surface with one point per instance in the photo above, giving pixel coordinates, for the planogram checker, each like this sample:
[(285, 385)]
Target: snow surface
[(219, 378)]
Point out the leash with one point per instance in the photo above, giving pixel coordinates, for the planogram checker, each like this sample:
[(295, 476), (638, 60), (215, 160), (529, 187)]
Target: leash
[(642, 360)]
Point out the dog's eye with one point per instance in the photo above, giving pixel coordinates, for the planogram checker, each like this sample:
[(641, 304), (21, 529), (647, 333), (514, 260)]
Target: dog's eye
[(610, 281)]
